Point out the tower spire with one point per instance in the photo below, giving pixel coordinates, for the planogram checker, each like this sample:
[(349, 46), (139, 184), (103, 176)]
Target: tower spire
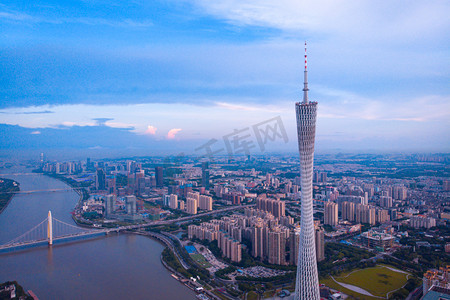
[(305, 87)]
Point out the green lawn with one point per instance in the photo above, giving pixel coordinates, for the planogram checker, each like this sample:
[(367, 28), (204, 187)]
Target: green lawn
[(201, 260), (353, 295), (378, 281), (252, 296)]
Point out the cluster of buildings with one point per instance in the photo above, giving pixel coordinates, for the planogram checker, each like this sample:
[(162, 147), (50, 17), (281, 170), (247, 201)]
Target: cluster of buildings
[(68, 167), (377, 201), (271, 238), (420, 221), (129, 214), (437, 280), (194, 201)]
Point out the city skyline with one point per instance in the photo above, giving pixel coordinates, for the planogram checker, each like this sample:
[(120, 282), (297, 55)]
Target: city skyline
[(164, 75)]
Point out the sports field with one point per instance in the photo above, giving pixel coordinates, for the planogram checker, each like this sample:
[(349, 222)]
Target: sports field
[(201, 260), (378, 281)]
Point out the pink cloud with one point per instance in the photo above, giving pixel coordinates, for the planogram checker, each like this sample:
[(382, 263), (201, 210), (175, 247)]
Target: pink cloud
[(172, 132), (151, 130)]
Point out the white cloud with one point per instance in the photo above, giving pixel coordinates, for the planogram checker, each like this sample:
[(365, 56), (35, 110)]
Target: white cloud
[(151, 130), (352, 18), (16, 16), (172, 133), (36, 132), (120, 125), (341, 104)]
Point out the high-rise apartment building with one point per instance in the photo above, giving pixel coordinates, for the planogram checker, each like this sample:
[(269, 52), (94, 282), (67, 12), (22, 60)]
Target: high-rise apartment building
[(422, 221), (331, 214), (191, 206), (275, 207), (307, 280), (348, 211), (365, 214), (173, 201), (205, 202), (294, 240), (277, 246), (181, 204), (382, 215), (369, 189), (320, 244), (446, 185), (386, 201), (399, 192), (257, 240), (166, 200)]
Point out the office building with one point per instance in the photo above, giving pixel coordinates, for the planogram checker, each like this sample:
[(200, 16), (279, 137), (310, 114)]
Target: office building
[(159, 176), (378, 240), (130, 203), (100, 180), (205, 175), (109, 205)]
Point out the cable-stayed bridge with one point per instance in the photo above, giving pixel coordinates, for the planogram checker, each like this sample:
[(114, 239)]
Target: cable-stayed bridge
[(51, 231), (44, 191)]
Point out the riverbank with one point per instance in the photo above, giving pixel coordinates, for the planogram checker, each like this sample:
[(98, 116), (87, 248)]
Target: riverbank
[(8, 188), (82, 193), (128, 265), (182, 271)]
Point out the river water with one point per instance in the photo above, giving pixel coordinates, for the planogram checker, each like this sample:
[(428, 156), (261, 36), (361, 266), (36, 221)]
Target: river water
[(122, 266)]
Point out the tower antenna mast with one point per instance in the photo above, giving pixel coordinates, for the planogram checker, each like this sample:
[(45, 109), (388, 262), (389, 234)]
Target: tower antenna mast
[(305, 87)]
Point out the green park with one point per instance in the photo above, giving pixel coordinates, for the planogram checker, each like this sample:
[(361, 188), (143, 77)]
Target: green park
[(380, 282)]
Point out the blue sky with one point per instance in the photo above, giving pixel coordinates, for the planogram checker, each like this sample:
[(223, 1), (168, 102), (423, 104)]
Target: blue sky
[(169, 75)]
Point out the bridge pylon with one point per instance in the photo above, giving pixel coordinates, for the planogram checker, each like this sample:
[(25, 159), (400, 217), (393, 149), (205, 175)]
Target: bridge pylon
[(50, 228)]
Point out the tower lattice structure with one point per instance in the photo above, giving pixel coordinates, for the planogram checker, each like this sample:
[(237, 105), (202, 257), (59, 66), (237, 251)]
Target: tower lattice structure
[(307, 280)]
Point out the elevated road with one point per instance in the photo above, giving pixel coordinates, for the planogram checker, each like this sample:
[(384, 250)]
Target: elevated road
[(182, 219), (169, 242)]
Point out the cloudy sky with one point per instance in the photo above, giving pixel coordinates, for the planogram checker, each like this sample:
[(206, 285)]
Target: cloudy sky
[(153, 77)]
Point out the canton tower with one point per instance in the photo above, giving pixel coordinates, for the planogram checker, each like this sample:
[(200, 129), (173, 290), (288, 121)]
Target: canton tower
[(307, 282)]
